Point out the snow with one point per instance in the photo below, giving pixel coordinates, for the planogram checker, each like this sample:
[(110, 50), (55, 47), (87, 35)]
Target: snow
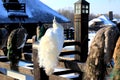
[(60, 69), (69, 48), (104, 19), (116, 20), (94, 20), (37, 10), (91, 36), (22, 63), (71, 75), (42, 8)]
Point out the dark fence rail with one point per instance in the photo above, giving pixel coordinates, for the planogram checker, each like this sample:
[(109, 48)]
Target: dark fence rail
[(69, 34), (38, 73)]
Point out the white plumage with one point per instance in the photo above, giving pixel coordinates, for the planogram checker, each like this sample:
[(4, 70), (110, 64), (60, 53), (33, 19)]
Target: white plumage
[(50, 47)]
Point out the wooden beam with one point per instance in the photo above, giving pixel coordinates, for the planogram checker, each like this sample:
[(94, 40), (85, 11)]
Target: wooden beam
[(54, 77), (66, 43), (20, 69), (69, 52), (71, 64), (71, 42), (64, 72), (39, 73), (5, 77)]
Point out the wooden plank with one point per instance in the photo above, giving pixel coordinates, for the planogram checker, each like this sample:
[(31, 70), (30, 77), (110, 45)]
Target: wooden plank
[(16, 75), (3, 58), (39, 73), (19, 68), (54, 77), (69, 52), (71, 64), (71, 42), (64, 72), (5, 77), (27, 57), (66, 43), (36, 66), (81, 35), (26, 71)]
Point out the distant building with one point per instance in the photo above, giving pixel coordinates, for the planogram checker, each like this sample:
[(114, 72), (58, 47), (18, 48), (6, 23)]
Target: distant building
[(27, 12), (101, 21)]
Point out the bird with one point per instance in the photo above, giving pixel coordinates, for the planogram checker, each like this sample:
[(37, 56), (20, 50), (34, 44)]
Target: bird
[(40, 31), (101, 53), (15, 43), (115, 73), (3, 37), (50, 46)]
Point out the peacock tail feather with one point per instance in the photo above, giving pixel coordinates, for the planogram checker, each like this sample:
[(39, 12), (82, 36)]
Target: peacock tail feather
[(16, 41)]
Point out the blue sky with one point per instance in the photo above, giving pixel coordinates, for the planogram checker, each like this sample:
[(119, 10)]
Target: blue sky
[(96, 6)]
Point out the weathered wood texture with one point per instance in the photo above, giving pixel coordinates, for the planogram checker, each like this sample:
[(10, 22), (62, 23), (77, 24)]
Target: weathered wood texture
[(71, 64), (71, 42), (20, 69), (115, 75), (101, 52), (4, 77), (39, 73), (81, 35), (54, 77)]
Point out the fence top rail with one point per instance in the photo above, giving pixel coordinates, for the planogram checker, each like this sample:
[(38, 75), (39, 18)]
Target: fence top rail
[(20, 69)]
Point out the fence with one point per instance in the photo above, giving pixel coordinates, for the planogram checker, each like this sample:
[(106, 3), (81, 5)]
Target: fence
[(70, 65), (69, 34)]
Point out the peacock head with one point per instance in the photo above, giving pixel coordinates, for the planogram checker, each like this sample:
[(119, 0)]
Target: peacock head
[(54, 20)]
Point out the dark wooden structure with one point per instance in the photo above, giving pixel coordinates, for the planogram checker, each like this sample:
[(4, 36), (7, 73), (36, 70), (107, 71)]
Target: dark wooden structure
[(81, 28), (69, 34), (17, 12), (71, 65), (13, 6)]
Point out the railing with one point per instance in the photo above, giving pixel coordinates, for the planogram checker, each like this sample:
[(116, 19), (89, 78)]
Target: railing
[(69, 34), (69, 64)]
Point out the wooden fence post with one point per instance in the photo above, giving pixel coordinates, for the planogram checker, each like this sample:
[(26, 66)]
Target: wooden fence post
[(39, 73), (36, 65)]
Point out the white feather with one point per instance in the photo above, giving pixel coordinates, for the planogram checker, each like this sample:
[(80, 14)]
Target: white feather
[(50, 47)]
